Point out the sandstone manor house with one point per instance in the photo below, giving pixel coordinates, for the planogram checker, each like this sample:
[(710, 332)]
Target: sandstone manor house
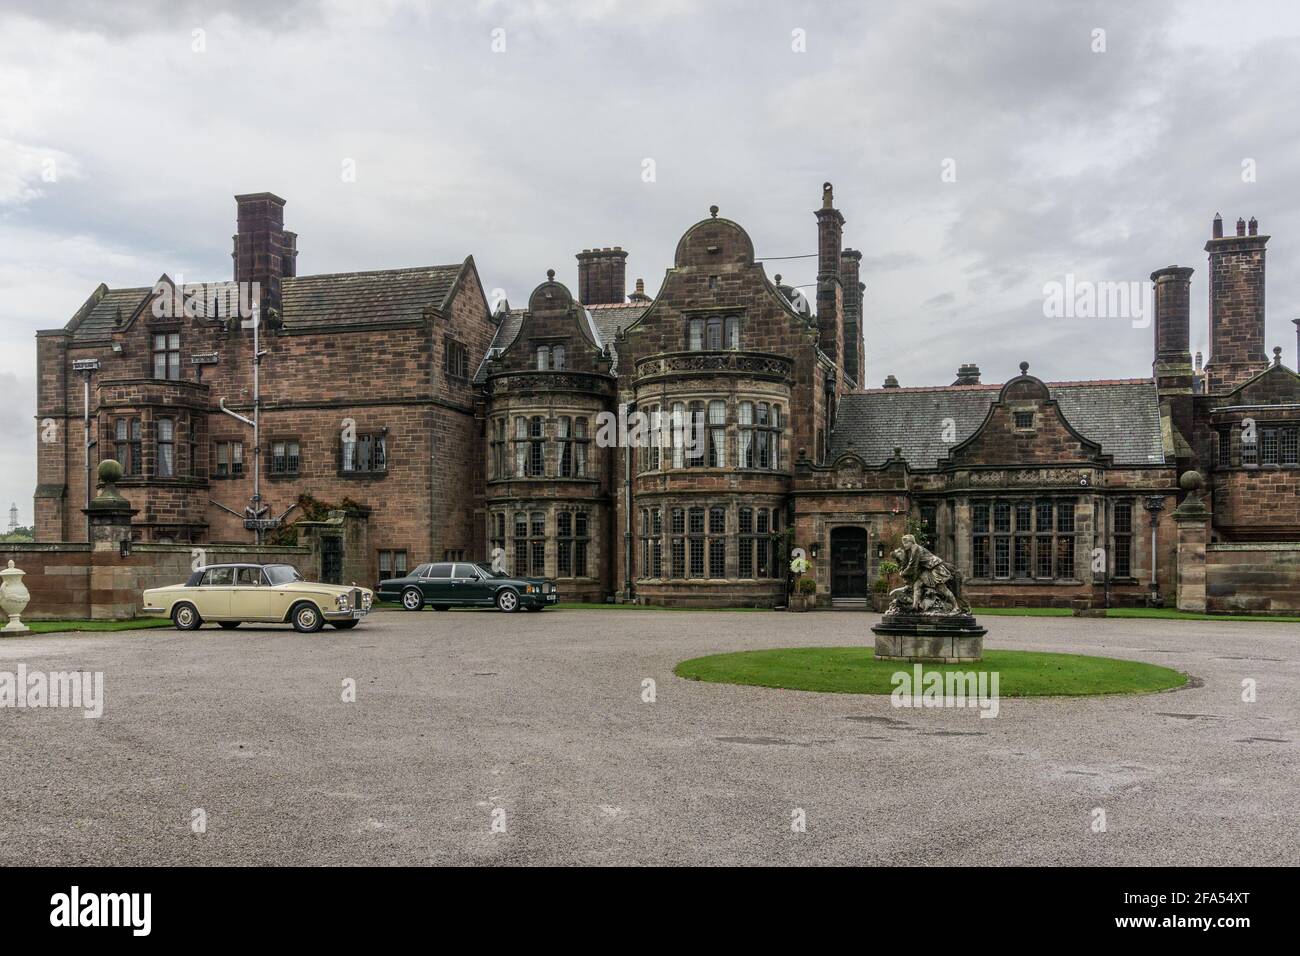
[(401, 419)]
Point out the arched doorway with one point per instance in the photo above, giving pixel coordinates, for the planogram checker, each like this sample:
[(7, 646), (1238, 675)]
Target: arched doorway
[(849, 566)]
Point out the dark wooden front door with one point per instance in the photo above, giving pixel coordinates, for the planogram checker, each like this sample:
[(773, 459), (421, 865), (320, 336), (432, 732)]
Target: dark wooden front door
[(849, 562), (331, 559)]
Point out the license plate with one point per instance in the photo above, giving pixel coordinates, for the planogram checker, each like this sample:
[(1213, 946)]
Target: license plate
[(358, 615), (552, 598)]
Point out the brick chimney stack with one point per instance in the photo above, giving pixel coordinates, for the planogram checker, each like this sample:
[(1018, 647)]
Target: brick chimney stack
[(854, 350), (968, 374), (263, 251), (1171, 367), (602, 276), (1173, 305), (830, 291), (1236, 306)]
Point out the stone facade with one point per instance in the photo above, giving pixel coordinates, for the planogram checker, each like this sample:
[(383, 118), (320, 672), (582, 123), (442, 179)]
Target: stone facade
[(168, 376), (505, 436)]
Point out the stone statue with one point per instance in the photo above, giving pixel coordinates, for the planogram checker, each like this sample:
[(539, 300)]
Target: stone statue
[(931, 585)]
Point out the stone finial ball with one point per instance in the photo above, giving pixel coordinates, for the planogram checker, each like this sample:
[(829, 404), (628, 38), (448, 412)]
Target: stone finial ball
[(110, 472), (1191, 481)]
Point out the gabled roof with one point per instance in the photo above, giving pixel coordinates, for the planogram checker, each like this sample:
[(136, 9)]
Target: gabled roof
[(604, 321), (1239, 395), (353, 298), (341, 299), (96, 319), (1123, 416)]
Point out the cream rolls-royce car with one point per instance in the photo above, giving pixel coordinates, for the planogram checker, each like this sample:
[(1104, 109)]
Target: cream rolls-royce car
[(230, 594)]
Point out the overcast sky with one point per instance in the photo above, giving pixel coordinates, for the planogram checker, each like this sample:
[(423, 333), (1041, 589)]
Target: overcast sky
[(1105, 165)]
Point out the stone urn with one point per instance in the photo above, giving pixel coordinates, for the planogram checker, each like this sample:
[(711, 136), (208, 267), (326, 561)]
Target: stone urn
[(13, 599)]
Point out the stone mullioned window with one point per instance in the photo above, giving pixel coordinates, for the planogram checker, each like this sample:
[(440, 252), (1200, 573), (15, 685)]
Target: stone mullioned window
[(571, 528), (1023, 539), (532, 450), (1274, 444), (695, 542), (713, 433)]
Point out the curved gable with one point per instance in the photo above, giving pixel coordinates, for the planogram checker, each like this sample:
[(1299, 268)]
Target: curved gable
[(1025, 425)]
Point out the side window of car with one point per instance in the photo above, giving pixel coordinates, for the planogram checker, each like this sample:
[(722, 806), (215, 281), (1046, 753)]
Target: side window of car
[(440, 571), (250, 577), (218, 577), (465, 571)]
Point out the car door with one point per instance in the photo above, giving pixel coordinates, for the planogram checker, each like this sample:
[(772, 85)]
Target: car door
[(212, 596), (250, 598), (468, 586), (437, 584)]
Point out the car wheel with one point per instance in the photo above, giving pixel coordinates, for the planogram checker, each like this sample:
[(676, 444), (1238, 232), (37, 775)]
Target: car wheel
[(186, 617), (307, 618), (412, 599), (507, 600), (229, 625), (344, 625)]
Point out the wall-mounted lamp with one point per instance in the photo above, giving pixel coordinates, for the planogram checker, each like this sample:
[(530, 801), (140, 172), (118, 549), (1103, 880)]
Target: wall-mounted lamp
[(814, 549), (124, 549)]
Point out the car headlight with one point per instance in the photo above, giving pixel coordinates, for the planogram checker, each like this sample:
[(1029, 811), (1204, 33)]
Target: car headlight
[(531, 589), (342, 602), (365, 600)]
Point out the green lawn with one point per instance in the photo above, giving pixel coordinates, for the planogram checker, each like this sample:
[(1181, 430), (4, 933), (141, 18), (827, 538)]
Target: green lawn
[(1021, 611), (50, 627), (1144, 612), (854, 670), (1171, 614)]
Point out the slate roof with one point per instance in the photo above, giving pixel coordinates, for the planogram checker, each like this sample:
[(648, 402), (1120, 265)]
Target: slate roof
[(1123, 416), (604, 321), (342, 298), (608, 319), (365, 297), (98, 322)]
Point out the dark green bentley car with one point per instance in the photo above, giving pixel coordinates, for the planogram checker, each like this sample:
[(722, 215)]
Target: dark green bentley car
[(462, 584)]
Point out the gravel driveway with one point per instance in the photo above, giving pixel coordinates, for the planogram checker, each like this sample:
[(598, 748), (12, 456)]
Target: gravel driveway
[(478, 737)]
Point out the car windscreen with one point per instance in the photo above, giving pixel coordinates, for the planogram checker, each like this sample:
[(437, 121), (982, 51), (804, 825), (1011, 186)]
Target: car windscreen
[(487, 569), (282, 573)]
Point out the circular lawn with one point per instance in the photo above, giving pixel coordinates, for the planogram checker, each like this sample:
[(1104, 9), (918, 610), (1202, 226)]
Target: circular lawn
[(855, 670)]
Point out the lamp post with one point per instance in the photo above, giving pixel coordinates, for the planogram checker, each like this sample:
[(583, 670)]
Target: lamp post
[(254, 513)]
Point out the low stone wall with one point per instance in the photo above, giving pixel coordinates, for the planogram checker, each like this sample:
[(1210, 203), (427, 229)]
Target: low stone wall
[(1253, 578), (75, 581)]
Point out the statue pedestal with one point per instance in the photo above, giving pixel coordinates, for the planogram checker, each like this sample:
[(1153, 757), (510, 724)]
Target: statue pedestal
[(932, 638)]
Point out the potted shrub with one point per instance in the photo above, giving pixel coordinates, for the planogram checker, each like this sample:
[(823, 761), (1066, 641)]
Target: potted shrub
[(805, 595), (883, 584)]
